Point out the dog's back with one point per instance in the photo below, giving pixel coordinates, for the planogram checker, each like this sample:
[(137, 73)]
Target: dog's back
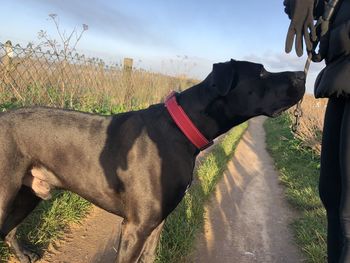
[(43, 147)]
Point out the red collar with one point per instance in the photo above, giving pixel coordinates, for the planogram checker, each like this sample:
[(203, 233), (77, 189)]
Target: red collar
[(185, 124)]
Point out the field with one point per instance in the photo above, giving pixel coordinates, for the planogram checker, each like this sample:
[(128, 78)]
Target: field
[(311, 124), (31, 76)]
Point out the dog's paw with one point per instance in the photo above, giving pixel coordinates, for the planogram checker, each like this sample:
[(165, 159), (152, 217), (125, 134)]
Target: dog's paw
[(28, 256)]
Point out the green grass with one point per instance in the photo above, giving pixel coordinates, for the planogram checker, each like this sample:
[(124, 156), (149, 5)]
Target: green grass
[(182, 226), (49, 220), (299, 172)]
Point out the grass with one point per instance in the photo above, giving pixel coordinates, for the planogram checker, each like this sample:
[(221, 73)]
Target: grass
[(311, 123), (181, 227), (49, 220), (33, 77), (299, 172)]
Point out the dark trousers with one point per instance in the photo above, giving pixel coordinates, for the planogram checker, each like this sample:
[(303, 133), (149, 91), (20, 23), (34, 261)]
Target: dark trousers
[(335, 178)]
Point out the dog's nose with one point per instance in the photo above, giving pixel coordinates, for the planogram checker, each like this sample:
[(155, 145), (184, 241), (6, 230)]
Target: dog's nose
[(300, 75)]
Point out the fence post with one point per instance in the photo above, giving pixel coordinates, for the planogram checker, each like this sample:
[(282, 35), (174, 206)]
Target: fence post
[(127, 65), (9, 68), (7, 62), (127, 81)]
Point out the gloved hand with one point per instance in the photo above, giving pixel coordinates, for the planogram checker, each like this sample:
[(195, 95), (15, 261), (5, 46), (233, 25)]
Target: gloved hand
[(301, 26)]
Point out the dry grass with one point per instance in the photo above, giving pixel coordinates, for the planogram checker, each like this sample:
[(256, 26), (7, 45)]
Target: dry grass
[(311, 123), (33, 77)]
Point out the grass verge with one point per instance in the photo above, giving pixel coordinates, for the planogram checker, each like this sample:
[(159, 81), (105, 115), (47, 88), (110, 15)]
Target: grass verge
[(49, 220), (299, 172), (181, 227)]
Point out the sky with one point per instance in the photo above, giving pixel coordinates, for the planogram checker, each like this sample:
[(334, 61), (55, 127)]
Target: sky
[(173, 37)]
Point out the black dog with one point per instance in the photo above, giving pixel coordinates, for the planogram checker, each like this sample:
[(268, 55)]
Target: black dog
[(137, 164)]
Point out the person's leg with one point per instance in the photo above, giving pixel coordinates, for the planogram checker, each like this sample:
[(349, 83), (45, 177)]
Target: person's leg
[(330, 178), (345, 178)]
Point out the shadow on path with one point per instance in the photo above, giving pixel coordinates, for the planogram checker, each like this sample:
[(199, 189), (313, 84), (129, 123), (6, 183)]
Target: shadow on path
[(247, 218)]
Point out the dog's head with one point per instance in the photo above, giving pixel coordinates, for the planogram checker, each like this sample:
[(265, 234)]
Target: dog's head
[(241, 90)]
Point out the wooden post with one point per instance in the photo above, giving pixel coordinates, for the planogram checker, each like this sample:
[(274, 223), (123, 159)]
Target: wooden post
[(127, 70), (7, 63), (127, 66), (7, 60), (9, 68)]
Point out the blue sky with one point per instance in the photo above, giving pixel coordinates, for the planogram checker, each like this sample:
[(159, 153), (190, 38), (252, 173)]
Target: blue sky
[(177, 37)]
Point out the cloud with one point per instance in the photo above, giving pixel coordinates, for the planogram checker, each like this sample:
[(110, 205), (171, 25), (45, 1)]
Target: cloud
[(281, 61), (201, 67), (106, 20), (190, 66), (276, 62)]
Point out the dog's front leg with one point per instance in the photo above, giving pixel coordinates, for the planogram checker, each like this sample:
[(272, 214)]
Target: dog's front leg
[(132, 242), (149, 252)]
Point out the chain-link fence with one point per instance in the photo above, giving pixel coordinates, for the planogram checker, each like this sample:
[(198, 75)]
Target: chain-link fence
[(34, 76)]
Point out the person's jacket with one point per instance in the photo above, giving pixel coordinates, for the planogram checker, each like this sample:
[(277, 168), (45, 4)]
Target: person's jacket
[(334, 79)]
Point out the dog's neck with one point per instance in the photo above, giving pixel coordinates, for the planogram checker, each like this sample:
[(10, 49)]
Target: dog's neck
[(197, 102)]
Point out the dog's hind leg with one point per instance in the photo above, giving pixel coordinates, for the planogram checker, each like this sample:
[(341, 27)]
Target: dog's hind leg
[(12, 171), (23, 203), (9, 189), (6, 198), (22, 253)]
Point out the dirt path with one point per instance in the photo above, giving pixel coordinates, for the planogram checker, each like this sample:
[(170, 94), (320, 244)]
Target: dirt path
[(247, 219), (93, 241)]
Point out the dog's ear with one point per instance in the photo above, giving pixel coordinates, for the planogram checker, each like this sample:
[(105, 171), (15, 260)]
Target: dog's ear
[(222, 77)]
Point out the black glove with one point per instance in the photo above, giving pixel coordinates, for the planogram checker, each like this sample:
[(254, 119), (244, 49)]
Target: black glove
[(301, 26), (319, 8)]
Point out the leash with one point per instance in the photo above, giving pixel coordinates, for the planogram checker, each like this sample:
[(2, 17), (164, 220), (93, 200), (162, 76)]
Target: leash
[(298, 111), (323, 26)]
